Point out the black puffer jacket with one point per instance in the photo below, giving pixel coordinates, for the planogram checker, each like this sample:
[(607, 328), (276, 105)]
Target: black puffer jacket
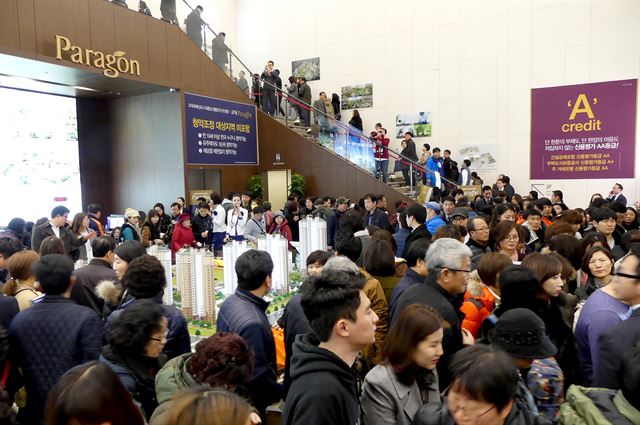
[(324, 389)]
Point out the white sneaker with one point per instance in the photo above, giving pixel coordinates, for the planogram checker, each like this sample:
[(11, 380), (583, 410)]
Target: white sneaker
[(308, 131), (296, 122)]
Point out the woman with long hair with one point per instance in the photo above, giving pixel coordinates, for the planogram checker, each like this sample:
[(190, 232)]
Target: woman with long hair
[(151, 229), (379, 262), (22, 284), (355, 120), (405, 378), (81, 230)]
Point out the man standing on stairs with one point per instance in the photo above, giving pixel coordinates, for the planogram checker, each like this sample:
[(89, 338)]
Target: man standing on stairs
[(381, 153), (194, 25), (304, 94), (168, 10), (269, 76)]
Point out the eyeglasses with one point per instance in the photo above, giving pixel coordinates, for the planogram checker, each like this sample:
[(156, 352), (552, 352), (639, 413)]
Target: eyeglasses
[(162, 339), (512, 238), (628, 276), (455, 406), (458, 270)]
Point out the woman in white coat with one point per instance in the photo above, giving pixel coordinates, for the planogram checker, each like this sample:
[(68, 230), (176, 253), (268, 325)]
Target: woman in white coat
[(406, 377)]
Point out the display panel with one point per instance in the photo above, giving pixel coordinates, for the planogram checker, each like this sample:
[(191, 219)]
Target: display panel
[(39, 164)]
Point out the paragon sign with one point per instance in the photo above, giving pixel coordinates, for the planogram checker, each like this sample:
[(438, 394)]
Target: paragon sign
[(112, 64)]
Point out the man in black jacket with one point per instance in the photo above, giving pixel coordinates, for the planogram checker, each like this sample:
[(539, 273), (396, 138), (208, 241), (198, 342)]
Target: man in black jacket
[(194, 25), (478, 229), (448, 262), (269, 76), (99, 269), (304, 94), (53, 335), (374, 215), (202, 224), (244, 313), (324, 388), (57, 227), (416, 216), (333, 222)]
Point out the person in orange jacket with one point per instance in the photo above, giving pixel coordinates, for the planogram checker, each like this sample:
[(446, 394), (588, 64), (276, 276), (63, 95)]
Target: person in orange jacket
[(483, 292)]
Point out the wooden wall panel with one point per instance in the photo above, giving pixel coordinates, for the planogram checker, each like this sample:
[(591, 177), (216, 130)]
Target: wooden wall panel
[(52, 18), (9, 32), (102, 21), (172, 51), (27, 22), (130, 29), (190, 58), (157, 46)]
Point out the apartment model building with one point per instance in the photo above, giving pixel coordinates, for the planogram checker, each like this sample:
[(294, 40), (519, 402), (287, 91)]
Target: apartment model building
[(230, 253), (277, 247), (164, 256), (313, 236), (196, 283)]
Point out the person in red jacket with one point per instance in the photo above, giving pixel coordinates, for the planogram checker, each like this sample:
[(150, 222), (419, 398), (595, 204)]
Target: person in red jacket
[(381, 153), (483, 291), (280, 226), (182, 235)]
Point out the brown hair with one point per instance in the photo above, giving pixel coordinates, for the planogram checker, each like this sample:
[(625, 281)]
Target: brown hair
[(222, 360), (19, 267), (544, 266), (378, 258), (501, 231), (450, 231), (415, 323), (385, 235), (200, 406), (559, 228), (91, 393), (490, 265), (52, 245), (567, 271), (76, 224), (571, 217)]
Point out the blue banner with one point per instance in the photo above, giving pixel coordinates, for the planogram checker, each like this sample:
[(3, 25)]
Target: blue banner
[(220, 132)]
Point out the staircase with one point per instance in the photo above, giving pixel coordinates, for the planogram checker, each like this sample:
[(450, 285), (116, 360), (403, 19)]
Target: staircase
[(395, 180)]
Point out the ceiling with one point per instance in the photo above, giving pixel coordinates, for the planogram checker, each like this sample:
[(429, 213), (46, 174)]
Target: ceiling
[(45, 77)]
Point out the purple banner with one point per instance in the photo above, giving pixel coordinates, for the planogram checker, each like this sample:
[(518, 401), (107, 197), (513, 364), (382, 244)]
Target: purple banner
[(584, 131), (220, 132)]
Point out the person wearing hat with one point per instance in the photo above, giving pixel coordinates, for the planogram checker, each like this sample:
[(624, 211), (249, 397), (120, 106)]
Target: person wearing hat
[(182, 235), (333, 221), (281, 227), (129, 230), (460, 217), (434, 220), (53, 335), (522, 335)]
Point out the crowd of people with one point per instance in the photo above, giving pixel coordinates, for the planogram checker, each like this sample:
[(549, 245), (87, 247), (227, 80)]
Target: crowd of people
[(498, 310)]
